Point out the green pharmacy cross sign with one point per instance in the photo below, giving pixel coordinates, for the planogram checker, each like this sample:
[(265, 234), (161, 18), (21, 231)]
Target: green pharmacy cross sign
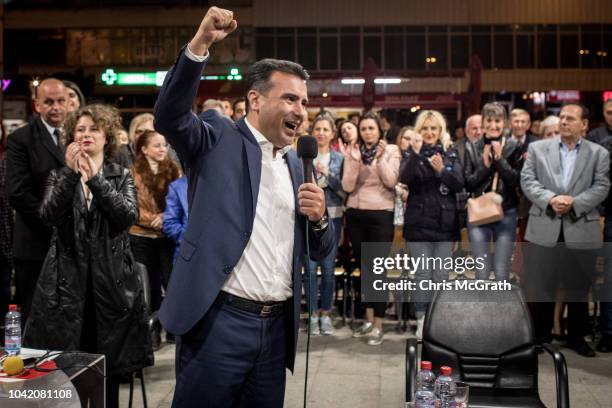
[(111, 78)]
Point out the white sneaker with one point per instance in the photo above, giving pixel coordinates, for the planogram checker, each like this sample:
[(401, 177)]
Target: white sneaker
[(314, 326), (327, 327), (375, 337), (364, 329), (420, 324)]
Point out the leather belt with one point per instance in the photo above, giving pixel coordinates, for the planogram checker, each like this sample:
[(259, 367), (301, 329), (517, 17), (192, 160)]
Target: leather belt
[(264, 309)]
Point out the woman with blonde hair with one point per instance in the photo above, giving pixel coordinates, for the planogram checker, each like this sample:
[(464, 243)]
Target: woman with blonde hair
[(433, 175), (139, 124), (549, 127)]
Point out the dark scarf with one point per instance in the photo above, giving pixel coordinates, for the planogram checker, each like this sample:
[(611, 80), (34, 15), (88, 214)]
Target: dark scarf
[(367, 155)]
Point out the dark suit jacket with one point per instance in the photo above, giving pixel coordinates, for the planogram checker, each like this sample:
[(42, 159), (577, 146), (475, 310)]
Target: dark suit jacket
[(31, 155), (223, 162)]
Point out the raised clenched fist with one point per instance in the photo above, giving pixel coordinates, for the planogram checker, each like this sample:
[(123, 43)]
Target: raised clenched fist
[(215, 26)]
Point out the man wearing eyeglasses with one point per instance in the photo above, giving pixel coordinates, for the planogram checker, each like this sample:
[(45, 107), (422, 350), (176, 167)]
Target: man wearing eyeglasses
[(32, 152)]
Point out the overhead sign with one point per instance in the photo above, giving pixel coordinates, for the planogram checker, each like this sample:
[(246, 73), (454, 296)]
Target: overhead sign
[(111, 78), (564, 96)]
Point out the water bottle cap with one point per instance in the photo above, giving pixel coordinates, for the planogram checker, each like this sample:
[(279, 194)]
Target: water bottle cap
[(446, 370), (425, 365), (12, 308)]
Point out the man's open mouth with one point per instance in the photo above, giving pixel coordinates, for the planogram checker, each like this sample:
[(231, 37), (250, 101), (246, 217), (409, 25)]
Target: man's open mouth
[(291, 125)]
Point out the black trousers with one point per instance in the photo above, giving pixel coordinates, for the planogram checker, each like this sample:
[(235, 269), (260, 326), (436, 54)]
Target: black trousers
[(369, 226), (550, 270), (26, 276), (156, 255)]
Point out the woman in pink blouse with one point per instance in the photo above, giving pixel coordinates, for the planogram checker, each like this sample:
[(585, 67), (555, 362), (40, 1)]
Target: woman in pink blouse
[(371, 169)]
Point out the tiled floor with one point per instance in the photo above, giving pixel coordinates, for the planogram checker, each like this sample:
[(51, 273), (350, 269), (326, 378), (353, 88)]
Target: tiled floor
[(345, 372)]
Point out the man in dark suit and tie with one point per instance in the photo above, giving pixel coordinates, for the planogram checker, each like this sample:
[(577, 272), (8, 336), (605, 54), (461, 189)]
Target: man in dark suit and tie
[(32, 152), (234, 295)]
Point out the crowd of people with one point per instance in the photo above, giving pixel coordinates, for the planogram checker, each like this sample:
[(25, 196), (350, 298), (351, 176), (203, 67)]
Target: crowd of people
[(82, 201)]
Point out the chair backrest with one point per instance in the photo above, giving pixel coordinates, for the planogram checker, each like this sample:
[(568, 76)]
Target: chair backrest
[(487, 337)]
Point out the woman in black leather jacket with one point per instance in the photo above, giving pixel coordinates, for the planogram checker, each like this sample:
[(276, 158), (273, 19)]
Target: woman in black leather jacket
[(432, 171), (489, 155), (89, 296)]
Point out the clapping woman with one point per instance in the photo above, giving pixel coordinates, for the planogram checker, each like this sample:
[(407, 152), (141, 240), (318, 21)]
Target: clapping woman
[(89, 296), (371, 169)]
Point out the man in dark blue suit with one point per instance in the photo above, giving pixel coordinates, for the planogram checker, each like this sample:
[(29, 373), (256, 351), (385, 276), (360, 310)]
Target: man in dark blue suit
[(234, 294)]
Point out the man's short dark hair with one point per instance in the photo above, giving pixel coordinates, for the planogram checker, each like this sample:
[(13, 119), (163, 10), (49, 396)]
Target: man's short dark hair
[(584, 111), (237, 101), (260, 72)]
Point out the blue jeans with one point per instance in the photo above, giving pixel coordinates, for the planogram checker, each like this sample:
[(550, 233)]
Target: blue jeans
[(606, 307), (504, 234), (438, 250), (328, 265)]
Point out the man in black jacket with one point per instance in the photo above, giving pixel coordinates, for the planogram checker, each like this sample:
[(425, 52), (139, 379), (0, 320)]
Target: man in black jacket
[(32, 152), (601, 133)]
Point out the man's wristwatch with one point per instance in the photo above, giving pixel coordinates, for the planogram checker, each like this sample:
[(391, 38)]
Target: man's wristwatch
[(321, 224)]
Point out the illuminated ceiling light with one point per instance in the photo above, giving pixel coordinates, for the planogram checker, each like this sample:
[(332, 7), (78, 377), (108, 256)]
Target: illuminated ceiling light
[(388, 81), (353, 81), (324, 94)]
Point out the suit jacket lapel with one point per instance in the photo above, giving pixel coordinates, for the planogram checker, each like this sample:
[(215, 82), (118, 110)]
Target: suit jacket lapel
[(253, 154), (47, 141), (554, 164), (297, 178), (295, 170), (582, 158)]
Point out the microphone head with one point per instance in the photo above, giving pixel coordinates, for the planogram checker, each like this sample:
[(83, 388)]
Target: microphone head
[(307, 147)]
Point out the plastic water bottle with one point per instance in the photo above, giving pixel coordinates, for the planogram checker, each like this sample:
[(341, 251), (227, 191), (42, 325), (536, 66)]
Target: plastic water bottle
[(12, 331), (424, 396), (445, 389)]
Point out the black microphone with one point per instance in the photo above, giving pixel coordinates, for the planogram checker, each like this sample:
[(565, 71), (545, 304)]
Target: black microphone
[(307, 150)]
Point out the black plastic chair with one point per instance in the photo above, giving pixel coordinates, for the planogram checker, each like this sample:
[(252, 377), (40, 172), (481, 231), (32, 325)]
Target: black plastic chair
[(144, 278), (487, 338)]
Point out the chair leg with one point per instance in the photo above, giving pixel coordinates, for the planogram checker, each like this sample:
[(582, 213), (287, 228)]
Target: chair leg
[(142, 386), (352, 290), (131, 391), (344, 302)]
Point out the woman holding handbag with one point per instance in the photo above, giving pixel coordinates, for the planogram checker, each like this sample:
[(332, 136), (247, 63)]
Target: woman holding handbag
[(492, 173), (433, 174)]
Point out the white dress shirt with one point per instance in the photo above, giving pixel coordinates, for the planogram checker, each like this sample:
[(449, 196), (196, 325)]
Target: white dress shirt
[(265, 269), (51, 131)]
